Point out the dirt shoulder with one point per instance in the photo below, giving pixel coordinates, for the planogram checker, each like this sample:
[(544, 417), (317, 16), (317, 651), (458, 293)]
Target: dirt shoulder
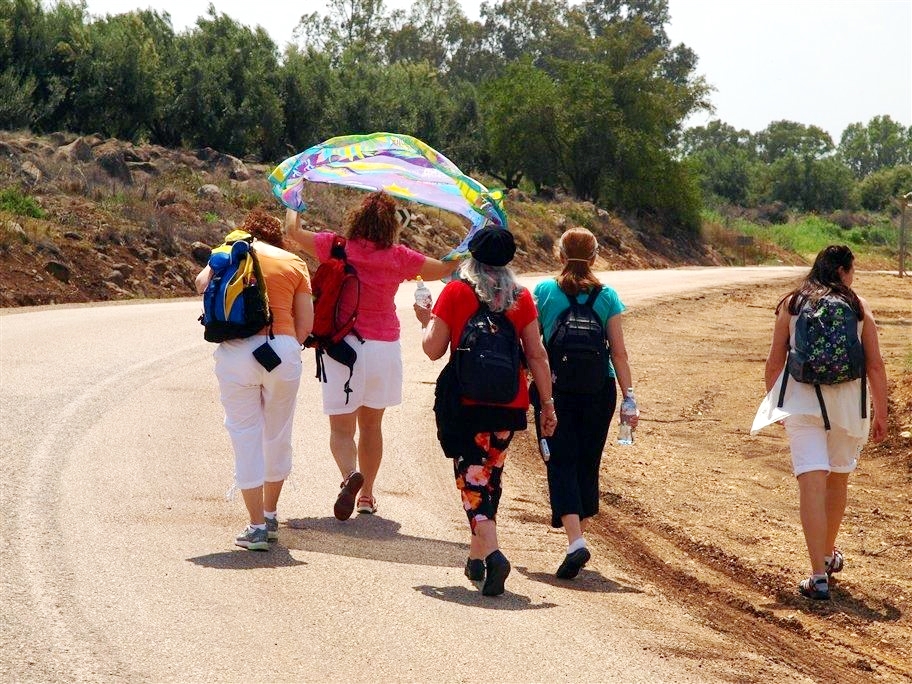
[(708, 515)]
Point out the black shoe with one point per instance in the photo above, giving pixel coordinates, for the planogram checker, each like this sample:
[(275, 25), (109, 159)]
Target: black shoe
[(497, 568), (573, 563), (475, 569)]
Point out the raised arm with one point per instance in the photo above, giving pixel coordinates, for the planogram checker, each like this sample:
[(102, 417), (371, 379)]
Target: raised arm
[(295, 233), (434, 269), (877, 374)]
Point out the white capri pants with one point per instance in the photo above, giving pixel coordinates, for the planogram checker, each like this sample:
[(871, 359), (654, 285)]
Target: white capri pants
[(259, 407), (815, 448)]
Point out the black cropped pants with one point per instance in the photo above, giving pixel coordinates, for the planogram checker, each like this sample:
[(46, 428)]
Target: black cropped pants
[(583, 422)]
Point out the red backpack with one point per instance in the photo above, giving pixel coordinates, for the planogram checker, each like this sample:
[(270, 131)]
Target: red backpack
[(337, 293)]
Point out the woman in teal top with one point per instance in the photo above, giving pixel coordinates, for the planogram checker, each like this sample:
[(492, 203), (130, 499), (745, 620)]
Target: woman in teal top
[(586, 401)]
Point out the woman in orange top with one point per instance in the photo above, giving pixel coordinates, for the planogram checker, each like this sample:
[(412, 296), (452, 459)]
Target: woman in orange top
[(259, 404)]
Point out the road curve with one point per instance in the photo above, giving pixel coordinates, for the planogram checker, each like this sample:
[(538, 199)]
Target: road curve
[(117, 555)]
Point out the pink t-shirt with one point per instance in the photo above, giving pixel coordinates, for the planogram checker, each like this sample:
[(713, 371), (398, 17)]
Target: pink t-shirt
[(380, 272)]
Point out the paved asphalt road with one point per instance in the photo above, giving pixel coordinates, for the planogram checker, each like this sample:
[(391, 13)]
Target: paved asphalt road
[(117, 555)]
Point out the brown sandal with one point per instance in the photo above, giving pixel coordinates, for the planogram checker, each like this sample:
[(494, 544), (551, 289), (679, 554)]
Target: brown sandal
[(345, 502)]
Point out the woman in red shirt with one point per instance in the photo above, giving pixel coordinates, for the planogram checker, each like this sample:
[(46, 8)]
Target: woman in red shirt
[(474, 434)]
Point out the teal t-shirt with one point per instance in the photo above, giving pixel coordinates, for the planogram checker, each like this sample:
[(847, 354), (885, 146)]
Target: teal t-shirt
[(551, 301)]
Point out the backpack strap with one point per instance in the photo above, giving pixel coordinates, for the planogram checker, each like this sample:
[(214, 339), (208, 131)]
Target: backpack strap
[(258, 273), (484, 308), (321, 374), (823, 411), (337, 249), (593, 295), (785, 377)]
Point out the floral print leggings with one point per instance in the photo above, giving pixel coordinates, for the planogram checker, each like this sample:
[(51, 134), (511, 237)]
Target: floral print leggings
[(478, 476)]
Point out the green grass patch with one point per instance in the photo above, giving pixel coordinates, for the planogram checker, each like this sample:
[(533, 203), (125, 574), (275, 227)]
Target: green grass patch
[(15, 202), (807, 235)]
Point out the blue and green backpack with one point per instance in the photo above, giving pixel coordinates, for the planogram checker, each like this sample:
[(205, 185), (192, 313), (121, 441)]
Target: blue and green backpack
[(235, 303)]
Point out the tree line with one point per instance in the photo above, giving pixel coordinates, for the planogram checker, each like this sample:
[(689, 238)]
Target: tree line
[(535, 93)]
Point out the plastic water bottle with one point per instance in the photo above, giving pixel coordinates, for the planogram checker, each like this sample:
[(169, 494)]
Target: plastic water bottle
[(545, 450), (628, 410), (423, 297)]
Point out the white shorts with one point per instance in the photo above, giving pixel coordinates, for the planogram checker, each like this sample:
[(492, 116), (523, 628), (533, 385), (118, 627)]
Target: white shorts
[(376, 382), (814, 448)]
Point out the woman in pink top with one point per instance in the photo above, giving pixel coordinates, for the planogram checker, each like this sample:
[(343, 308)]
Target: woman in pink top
[(376, 380)]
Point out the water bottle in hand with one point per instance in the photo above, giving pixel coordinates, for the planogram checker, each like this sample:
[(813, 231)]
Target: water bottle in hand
[(423, 297), (628, 411)]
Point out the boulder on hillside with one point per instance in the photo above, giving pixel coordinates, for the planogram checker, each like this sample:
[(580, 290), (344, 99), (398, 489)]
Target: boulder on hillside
[(38, 147), (31, 172), (77, 151), (210, 192), (110, 157), (207, 154), (236, 168), (131, 154), (58, 270), (167, 196), (61, 138), (116, 277), (200, 252), (143, 167)]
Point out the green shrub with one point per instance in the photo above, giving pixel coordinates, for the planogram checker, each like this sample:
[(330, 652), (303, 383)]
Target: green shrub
[(15, 202)]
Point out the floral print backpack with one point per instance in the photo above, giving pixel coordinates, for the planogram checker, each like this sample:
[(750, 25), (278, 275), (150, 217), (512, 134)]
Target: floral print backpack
[(827, 349)]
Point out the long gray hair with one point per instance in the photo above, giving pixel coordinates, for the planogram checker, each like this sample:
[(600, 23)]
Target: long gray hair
[(496, 286)]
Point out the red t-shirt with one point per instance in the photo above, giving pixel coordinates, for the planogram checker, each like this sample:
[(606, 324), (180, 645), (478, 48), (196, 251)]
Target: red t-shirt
[(456, 305)]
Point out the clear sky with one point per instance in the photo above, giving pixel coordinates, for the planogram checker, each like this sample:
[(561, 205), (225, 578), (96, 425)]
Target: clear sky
[(829, 63)]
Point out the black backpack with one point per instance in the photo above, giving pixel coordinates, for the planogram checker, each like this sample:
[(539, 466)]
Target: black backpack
[(487, 358), (578, 348)]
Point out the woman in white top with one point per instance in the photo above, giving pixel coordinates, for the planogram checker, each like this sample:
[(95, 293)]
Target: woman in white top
[(823, 457)]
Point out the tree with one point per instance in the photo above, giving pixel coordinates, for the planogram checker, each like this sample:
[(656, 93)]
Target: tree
[(520, 111), (308, 84), (431, 34), (724, 158), (227, 89), (519, 29), (809, 184), (879, 190), (783, 138), (38, 51), (881, 144), (118, 84)]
